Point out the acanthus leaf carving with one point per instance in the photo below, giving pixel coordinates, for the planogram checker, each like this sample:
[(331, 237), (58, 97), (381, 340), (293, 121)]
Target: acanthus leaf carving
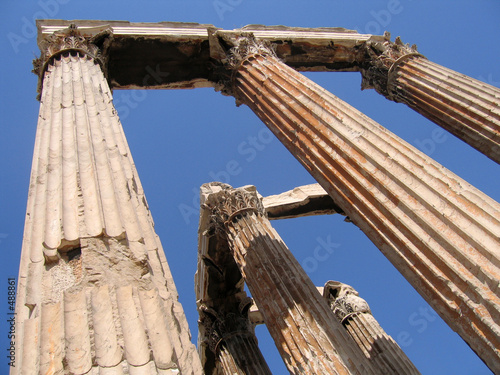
[(383, 60), (344, 300), (220, 326), (72, 39), (228, 204), (230, 53)]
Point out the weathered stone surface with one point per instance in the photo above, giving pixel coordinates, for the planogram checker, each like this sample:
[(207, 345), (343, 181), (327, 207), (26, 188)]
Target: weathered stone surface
[(309, 338), (226, 339), (355, 315), (108, 351), (158, 331), (77, 333), (52, 343), (31, 340), (89, 235), (304, 200), (439, 231), (90, 252), (181, 54), (229, 334), (466, 107)]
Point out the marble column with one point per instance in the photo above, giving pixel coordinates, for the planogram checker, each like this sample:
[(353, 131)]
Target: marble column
[(226, 339), (307, 335), (95, 290), (440, 232), (355, 315), (466, 107)]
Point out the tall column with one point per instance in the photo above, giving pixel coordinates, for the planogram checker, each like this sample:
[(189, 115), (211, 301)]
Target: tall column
[(307, 335), (355, 315), (226, 339), (95, 291), (440, 232), (466, 107)]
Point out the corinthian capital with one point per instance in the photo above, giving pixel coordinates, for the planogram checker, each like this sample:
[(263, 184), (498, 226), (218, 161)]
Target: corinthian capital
[(222, 325), (382, 60), (230, 51), (247, 46), (228, 204), (344, 300), (92, 44)]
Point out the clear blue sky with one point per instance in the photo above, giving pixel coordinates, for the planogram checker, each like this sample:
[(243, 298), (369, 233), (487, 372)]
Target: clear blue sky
[(182, 139)]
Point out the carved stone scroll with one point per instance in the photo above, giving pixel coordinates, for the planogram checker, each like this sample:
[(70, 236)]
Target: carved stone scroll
[(72, 40), (466, 107)]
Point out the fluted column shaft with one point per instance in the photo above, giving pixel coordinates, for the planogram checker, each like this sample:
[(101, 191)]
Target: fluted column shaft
[(305, 331), (380, 348), (440, 232), (94, 288), (355, 315), (240, 354), (466, 107), (231, 339)]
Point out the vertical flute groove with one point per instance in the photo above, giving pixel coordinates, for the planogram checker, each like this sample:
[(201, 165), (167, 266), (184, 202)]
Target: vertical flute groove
[(440, 232), (466, 107), (306, 333), (355, 315), (85, 220)]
